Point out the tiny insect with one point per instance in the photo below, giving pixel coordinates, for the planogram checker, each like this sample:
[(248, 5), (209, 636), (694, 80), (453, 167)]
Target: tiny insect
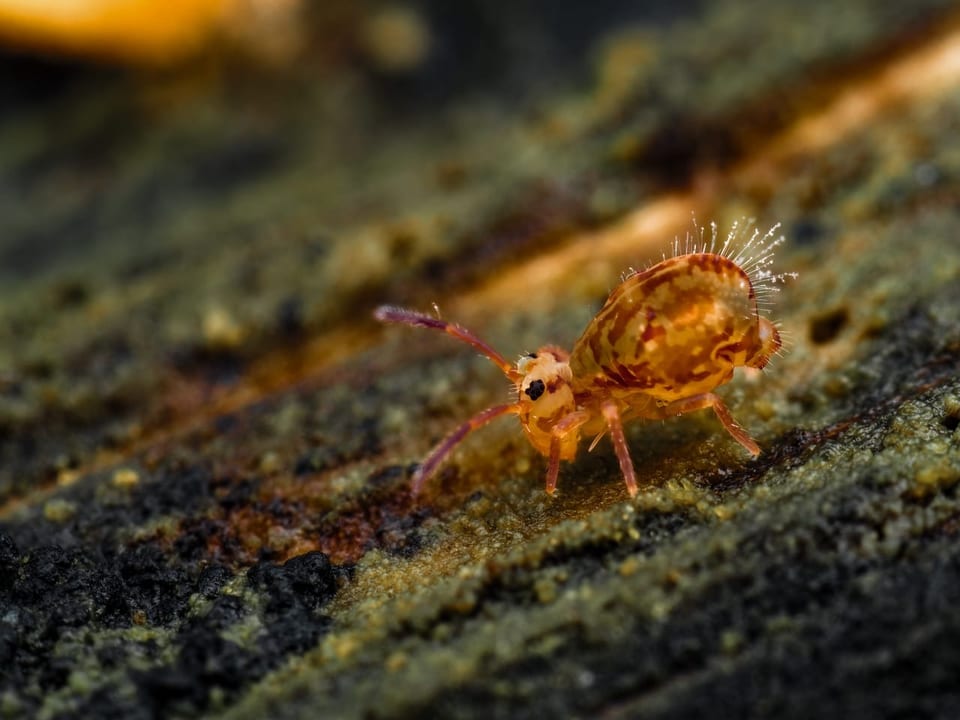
[(666, 338)]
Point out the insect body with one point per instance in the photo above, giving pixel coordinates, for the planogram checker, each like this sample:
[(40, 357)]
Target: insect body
[(663, 341)]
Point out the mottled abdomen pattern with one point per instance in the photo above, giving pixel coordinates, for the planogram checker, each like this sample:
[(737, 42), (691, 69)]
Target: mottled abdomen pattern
[(672, 331)]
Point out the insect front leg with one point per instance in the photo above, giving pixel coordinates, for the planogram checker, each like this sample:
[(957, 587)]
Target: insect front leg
[(612, 415), (564, 426), (429, 466), (709, 400)]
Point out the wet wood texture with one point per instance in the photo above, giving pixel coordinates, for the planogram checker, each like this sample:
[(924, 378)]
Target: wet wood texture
[(207, 442)]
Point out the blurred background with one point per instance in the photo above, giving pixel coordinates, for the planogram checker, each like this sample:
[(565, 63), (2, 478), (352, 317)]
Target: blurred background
[(206, 441)]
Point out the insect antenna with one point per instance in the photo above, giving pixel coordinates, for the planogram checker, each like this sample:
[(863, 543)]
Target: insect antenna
[(403, 316), (430, 465)]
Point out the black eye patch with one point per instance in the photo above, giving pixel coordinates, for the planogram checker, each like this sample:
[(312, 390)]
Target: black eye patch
[(535, 389)]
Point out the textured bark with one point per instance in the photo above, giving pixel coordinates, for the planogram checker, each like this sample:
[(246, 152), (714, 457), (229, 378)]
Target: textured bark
[(206, 441)]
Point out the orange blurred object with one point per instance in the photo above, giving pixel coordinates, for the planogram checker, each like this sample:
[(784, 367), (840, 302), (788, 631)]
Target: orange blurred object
[(140, 31)]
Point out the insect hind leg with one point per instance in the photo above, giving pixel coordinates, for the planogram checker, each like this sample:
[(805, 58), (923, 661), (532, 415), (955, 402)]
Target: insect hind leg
[(709, 400)]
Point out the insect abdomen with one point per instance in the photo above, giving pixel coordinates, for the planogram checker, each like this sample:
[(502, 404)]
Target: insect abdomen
[(672, 331)]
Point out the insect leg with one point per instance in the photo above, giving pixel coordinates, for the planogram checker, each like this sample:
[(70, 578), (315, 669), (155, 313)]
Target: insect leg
[(388, 313), (564, 426), (429, 466), (709, 400), (612, 415)]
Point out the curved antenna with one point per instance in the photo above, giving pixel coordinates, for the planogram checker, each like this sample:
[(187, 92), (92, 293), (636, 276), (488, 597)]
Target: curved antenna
[(429, 466), (389, 313)]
